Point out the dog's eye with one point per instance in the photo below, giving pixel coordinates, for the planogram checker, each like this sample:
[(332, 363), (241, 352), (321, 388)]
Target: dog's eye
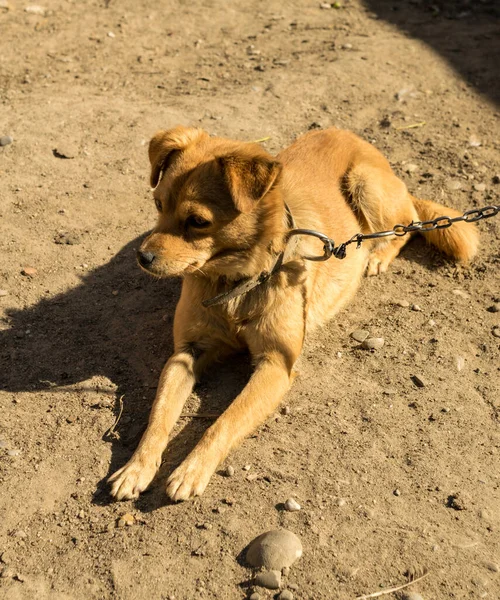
[(158, 204), (197, 222)]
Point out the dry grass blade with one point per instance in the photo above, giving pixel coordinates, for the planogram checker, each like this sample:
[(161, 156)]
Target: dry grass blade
[(111, 431), (200, 415), (391, 590), (264, 139), (412, 126)]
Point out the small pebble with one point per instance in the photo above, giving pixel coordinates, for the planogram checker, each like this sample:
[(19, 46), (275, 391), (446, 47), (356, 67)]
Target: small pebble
[(325, 5), (111, 34), (410, 168), (4, 4), (126, 520), (453, 184), (341, 502), (255, 596), (431, 323), (285, 571), (494, 308), (65, 151), (29, 272), (416, 308), (479, 187), (269, 579), (14, 452), (20, 534), (493, 567), (474, 141), (403, 303), (411, 596), (285, 595), (373, 343), (360, 335), (229, 472), (274, 549), (496, 332), (292, 505), (396, 492), (418, 381), (461, 293), (459, 362), (247, 467), (495, 179), (3, 293), (35, 9), (5, 140), (286, 410)]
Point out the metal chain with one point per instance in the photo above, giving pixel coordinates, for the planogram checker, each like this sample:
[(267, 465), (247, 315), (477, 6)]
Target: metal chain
[(329, 248)]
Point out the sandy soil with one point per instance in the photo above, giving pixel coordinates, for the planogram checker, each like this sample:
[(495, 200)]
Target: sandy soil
[(393, 479)]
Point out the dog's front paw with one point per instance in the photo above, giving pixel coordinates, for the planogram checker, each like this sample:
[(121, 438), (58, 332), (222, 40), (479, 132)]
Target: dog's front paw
[(132, 479), (190, 478)]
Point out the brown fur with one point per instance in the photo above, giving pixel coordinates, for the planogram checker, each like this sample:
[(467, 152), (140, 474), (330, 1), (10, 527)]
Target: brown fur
[(333, 182)]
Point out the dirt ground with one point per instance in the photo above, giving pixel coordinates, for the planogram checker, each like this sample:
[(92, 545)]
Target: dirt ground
[(394, 479)]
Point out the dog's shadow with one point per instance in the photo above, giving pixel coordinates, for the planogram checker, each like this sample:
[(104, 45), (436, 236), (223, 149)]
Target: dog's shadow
[(116, 324)]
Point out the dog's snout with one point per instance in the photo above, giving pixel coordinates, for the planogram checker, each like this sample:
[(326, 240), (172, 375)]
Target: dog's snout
[(145, 258)]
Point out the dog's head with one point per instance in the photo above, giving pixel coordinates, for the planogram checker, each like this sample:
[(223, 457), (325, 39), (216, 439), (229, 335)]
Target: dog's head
[(218, 202)]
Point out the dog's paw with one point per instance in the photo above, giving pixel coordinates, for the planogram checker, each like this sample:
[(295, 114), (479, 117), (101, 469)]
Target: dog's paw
[(376, 266), (189, 479), (132, 479)]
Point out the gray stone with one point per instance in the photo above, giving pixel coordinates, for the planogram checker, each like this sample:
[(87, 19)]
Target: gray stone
[(269, 579), (5, 140), (360, 335), (285, 595), (229, 471), (373, 343), (274, 549), (255, 596)]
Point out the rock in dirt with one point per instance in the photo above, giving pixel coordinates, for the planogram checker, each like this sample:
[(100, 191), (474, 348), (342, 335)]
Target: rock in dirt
[(255, 596), (285, 595), (373, 343), (269, 579), (494, 308), (292, 505), (3, 293), (274, 549), (416, 308), (14, 452), (29, 272), (453, 185), (479, 187), (229, 472), (459, 362), (403, 303), (411, 596), (360, 335), (456, 501), (66, 237), (5, 140), (65, 151), (496, 332), (126, 520), (491, 566), (418, 381), (35, 9)]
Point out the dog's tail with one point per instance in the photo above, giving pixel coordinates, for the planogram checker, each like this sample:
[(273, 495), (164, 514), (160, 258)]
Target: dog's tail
[(460, 241)]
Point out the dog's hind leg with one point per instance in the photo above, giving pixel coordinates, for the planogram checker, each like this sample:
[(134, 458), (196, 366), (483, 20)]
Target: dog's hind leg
[(380, 201)]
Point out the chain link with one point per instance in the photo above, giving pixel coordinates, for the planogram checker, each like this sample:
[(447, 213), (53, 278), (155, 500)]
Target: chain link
[(469, 216)]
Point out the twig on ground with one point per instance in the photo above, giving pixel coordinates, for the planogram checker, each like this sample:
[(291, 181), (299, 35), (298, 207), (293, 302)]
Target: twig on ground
[(391, 590), (111, 431), (412, 126)]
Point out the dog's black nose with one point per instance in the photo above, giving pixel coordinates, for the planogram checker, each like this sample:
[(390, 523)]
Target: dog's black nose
[(145, 258)]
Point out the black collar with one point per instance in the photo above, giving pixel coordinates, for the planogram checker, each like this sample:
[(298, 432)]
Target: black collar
[(250, 283)]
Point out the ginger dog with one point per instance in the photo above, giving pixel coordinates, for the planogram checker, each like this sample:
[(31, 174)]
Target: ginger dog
[(223, 214)]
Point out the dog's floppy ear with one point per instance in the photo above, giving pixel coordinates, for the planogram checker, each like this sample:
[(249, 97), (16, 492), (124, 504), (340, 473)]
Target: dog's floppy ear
[(164, 143), (249, 178)]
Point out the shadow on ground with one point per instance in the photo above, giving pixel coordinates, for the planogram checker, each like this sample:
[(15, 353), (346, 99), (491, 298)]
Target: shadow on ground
[(464, 32)]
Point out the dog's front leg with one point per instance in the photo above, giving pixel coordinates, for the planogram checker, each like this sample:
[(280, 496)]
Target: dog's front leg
[(263, 393), (176, 383)]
